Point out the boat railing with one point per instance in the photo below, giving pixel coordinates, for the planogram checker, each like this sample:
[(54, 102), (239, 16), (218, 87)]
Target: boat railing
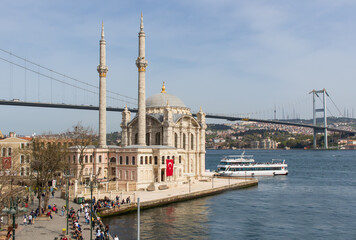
[(260, 163), (278, 161), (238, 156)]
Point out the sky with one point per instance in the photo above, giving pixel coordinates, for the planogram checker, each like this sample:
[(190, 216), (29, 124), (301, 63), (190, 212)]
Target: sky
[(226, 56)]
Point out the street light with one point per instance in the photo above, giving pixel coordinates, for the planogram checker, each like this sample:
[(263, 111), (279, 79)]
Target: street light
[(92, 184), (13, 210), (67, 176)]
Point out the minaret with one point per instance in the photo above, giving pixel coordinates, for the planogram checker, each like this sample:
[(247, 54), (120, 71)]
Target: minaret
[(126, 118), (102, 70), (141, 64)]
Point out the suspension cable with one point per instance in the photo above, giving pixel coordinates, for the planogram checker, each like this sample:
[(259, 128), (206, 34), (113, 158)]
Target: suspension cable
[(326, 106), (61, 81), (336, 106), (74, 79)]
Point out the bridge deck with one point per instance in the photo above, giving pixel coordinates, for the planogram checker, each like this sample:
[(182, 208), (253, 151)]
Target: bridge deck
[(112, 109)]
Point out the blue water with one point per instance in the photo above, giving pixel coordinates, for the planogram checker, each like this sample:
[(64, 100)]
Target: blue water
[(317, 200)]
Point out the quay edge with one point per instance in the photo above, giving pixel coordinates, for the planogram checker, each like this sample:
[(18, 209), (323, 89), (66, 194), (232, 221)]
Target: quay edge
[(177, 198)]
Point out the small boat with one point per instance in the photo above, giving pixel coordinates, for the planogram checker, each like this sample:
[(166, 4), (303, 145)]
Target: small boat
[(245, 166)]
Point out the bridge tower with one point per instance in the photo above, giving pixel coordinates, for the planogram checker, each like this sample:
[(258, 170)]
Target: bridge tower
[(323, 109)]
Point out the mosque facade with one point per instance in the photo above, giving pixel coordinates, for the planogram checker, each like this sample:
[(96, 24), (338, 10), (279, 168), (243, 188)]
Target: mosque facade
[(163, 143)]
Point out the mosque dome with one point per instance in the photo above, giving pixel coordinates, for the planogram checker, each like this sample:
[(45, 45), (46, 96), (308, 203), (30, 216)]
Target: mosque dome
[(161, 99)]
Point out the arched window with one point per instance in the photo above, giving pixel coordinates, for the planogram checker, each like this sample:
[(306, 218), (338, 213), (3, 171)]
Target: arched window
[(141, 160), (180, 159), (162, 160), (146, 160), (99, 158), (191, 141), (150, 159), (158, 138), (133, 161), (136, 138), (120, 160), (113, 160), (127, 160), (22, 159), (4, 152), (74, 159), (148, 139), (156, 160), (176, 140), (184, 141), (86, 158), (91, 158)]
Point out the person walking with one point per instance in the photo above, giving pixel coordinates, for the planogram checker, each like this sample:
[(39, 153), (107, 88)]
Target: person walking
[(24, 219), (63, 210), (116, 237), (29, 219)]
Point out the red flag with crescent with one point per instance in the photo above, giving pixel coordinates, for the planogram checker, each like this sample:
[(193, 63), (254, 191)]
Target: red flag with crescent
[(170, 164)]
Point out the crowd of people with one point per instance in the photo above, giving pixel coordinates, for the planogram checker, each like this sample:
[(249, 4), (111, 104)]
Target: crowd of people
[(107, 203), (29, 219), (100, 230)]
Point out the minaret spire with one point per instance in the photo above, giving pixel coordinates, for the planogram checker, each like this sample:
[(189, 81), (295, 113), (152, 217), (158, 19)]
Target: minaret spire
[(141, 26), (102, 70), (102, 30), (141, 64)]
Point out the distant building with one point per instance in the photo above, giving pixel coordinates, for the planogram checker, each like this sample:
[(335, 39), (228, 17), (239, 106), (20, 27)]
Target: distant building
[(264, 144), (12, 160), (350, 145)]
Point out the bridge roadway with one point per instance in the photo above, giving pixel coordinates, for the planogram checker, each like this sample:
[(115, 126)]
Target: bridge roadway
[(112, 109)]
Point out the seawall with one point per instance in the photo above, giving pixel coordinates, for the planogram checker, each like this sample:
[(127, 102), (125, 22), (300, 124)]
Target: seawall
[(165, 198)]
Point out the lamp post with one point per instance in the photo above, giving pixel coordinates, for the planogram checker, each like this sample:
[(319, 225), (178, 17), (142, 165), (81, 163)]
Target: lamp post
[(13, 210), (92, 184), (67, 176)]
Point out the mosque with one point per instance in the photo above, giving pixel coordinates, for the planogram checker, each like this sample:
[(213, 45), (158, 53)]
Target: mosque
[(163, 143)]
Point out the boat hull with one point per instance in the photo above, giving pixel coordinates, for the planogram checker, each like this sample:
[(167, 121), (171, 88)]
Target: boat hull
[(253, 173)]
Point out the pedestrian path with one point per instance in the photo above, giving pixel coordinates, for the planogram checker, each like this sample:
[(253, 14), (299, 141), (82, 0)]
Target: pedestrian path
[(50, 229)]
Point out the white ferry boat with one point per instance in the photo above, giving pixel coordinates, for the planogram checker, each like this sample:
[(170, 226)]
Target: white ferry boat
[(245, 166)]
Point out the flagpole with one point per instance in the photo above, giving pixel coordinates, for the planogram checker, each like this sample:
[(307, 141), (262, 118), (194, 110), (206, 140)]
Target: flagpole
[(138, 218)]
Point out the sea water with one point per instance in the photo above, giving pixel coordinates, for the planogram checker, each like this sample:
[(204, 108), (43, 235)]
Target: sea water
[(317, 200)]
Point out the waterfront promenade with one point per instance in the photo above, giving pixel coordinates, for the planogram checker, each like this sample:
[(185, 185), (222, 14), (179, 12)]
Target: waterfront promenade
[(52, 229), (196, 189)]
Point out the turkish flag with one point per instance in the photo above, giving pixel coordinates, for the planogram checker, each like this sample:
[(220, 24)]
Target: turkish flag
[(170, 164)]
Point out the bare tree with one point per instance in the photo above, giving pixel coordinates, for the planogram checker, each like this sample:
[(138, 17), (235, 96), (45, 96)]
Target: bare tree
[(48, 158), (81, 137)]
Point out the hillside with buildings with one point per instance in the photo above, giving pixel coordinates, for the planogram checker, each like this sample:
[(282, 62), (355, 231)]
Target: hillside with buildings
[(273, 136)]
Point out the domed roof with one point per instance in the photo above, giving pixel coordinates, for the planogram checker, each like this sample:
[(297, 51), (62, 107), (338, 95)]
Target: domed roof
[(161, 99)]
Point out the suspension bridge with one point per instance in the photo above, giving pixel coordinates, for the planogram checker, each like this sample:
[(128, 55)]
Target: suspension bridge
[(36, 77)]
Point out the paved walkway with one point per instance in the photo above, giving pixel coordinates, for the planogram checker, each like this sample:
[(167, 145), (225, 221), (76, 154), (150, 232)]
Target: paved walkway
[(53, 228), (48, 230)]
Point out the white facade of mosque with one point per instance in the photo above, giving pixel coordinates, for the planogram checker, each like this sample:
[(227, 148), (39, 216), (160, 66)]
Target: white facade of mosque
[(163, 128)]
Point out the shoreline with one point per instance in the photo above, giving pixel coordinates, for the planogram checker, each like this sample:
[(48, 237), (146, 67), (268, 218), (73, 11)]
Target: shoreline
[(166, 197)]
